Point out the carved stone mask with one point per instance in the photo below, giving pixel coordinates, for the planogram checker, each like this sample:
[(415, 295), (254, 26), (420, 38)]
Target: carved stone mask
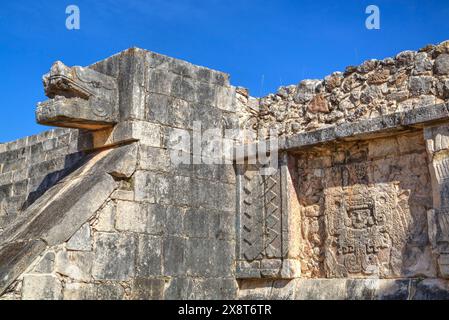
[(79, 98)]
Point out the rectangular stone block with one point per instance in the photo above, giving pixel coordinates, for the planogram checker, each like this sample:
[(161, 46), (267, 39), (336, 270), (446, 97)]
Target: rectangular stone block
[(76, 265), (147, 289), (114, 256), (80, 291), (169, 111), (202, 259), (162, 82), (205, 94), (37, 287), (46, 264), (106, 218), (174, 256), (130, 217), (196, 223), (110, 291), (155, 159), (149, 256), (151, 187), (81, 240), (148, 133), (174, 221), (225, 98)]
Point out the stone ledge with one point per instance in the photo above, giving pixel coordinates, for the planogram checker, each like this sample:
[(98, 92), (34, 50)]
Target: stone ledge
[(364, 129), (345, 289), (370, 128)]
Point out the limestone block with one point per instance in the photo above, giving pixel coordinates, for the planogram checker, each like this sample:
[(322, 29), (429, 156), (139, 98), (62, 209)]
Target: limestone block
[(202, 260), (291, 269), (125, 195), (110, 291), (149, 256), (431, 289), (205, 94), (81, 240), (130, 217), (135, 217), (443, 262), (151, 187), (45, 287), (46, 264), (76, 265), (147, 289), (174, 256), (442, 64), (114, 256), (80, 291), (106, 218), (162, 82), (174, 221), (148, 133), (225, 98), (196, 224), (155, 159)]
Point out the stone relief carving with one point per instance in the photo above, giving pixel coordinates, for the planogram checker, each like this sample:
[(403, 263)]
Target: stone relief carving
[(363, 209), (358, 233), (79, 98), (437, 142), (262, 243)]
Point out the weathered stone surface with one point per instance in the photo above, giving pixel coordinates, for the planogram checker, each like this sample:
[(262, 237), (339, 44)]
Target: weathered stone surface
[(81, 240), (431, 289), (148, 289), (76, 265), (79, 291), (149, 256), (114, 256), (46, 264), (106, 218), (318, 104), (174, 249), (373, 89), (324, 289), (344, 289), (80, 98), (110, 291), (36, 287), (420, 85), (442, 64)]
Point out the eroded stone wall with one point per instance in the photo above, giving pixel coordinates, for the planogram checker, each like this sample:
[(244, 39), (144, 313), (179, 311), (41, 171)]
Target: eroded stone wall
[(375, 88), (29, 166)]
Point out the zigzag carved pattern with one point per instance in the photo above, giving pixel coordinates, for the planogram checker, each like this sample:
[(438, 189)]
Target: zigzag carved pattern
[(272, 217), (252, 217)]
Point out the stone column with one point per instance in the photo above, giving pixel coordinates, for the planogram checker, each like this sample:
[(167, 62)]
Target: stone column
[(437, 143)]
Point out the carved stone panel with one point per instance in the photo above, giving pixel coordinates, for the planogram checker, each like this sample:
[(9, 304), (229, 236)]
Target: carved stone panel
[(363, 209), (358, 230), (437, 143), (262, 224)]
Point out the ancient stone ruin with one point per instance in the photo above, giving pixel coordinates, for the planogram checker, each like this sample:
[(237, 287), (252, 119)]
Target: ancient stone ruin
[(356, 206)]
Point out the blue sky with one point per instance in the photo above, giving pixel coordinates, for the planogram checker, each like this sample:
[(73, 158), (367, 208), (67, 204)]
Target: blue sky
[(279, 41)]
